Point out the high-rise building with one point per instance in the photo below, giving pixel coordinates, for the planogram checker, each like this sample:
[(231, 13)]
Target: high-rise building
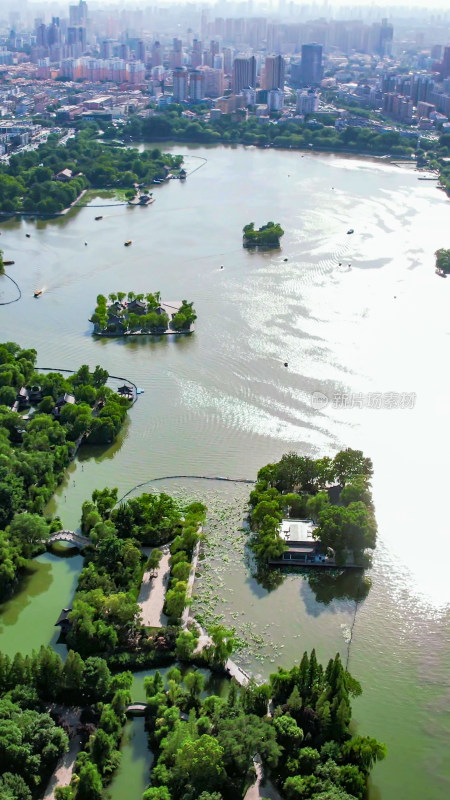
[(244, 73), (214, 83), (106, 49), (228, 59), (385, 39), (445, 69), (156, 55), (196, 54), (180, 84), (176, 56), (275, 67), (141, 54), (196, 85), (311, 64), (78, 14)]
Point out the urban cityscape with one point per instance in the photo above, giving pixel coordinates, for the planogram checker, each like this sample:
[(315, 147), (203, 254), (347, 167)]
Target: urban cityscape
[(224, 255), (91, 63)]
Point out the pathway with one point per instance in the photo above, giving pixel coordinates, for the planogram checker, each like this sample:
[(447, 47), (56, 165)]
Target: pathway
[(153, 592), (64, 769), (261, 790)]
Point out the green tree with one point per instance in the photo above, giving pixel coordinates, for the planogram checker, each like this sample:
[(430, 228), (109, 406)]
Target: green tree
[(30, 531), (200, 762), (89, 786)]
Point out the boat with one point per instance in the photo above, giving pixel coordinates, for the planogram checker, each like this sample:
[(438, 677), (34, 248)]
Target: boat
[(350, 230), (127, 243), (97, 218), (37, 293), (28, 235)]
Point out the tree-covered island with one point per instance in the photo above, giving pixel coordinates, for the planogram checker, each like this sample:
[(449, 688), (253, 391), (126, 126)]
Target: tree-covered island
[(49, 179), (442, 261), (267, 236), (332, 495), (141, 314)]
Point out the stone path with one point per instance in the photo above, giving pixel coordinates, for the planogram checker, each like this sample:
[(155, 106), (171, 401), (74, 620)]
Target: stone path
[(259, 791), (152, 593), (64, 769)]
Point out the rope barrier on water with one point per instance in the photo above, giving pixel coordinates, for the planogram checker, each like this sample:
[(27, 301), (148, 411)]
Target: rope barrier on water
[(351, 635), (16, 299)]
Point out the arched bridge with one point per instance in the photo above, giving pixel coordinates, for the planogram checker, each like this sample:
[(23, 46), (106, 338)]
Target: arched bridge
[(69, 536), (136, 709)]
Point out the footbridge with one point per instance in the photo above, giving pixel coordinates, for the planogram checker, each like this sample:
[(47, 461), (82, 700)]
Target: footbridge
[(69, 536)]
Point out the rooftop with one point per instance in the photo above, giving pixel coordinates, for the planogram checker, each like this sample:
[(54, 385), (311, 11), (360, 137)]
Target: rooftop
[(297, 530)]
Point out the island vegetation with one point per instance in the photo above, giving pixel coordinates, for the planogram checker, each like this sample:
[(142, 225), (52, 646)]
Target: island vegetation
[(36, 447), (36, 693), (333, 492), (131, 313), (443, 261), (206, 747), (105, 616), (268, 235), (2, 263), (49, 179)]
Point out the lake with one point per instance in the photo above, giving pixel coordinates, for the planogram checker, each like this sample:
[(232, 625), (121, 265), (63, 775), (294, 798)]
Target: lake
[(360, 318)]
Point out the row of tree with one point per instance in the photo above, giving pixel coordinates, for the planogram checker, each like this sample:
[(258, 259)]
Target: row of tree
[(169, 124), (206, 746), (181, 551), (334, 493)]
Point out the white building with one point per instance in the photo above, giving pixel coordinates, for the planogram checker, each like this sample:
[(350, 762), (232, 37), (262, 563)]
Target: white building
[(275, 99), (307, 102)]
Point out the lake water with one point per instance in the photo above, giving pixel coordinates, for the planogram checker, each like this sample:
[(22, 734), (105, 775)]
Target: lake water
[(221, 402)]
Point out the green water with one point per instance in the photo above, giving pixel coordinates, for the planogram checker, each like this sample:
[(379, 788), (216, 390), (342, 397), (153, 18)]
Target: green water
[(27, 620), (132, 776)]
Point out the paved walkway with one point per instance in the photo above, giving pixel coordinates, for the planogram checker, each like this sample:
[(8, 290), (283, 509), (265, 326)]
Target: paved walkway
[(64, 769), (259, 791), (152, 593)]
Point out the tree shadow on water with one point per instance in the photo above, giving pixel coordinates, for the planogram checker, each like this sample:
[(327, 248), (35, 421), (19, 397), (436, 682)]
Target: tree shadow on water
[(328, 587)]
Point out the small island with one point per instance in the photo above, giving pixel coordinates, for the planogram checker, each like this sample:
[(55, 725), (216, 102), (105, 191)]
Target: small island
[(314, 513), (442, 262), (268, 236), (141, 315)]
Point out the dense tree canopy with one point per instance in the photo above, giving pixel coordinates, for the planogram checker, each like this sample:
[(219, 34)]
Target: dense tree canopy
[(334, 493), (29, 182), (35, 451)]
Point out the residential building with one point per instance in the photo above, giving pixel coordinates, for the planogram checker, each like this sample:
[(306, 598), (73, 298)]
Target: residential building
[(311, 64), (274, 72), (307, 102), (244, 73), (180, 84), (197, 85), (275, 99)]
